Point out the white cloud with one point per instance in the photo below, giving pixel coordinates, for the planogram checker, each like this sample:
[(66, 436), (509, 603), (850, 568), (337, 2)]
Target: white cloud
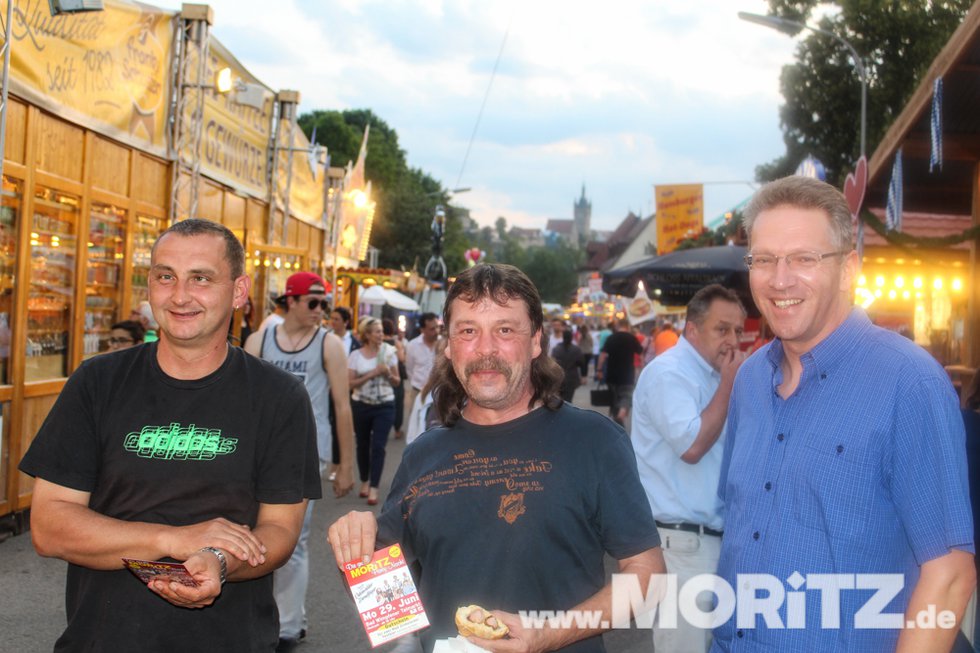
[(620, 96)]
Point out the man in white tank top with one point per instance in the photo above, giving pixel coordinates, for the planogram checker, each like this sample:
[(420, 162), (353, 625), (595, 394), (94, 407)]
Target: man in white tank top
[(302, 347)]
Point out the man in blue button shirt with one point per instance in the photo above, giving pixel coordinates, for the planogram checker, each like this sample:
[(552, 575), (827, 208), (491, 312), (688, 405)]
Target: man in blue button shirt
[(844, 473)]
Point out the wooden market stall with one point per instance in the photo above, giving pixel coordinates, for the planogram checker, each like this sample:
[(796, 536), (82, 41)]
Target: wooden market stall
[(127, 136), (923, 277)]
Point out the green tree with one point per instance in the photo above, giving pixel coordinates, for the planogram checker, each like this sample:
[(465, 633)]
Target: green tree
[(554, 271), (406, 197), (897, 40)]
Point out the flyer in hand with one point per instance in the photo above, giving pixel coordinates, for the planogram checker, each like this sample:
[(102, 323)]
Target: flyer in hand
[(385, 596), (150, 570)]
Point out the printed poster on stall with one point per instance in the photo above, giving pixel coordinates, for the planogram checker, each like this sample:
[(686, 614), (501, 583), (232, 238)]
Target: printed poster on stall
[(385, 596)]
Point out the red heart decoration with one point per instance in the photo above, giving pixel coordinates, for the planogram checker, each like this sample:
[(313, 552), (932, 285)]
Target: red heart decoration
[(855, 185)]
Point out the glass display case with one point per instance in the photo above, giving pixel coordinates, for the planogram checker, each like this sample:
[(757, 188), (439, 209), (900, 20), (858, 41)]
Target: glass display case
[(10, 196), (49, 301), (146, 229), (103, 290)]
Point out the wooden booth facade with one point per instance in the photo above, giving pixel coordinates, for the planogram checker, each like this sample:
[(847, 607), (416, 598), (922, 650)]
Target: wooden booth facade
[(922, 278), (113, 131)]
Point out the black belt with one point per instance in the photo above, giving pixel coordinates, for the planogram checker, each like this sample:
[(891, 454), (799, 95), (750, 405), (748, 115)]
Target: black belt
[(691, 528)]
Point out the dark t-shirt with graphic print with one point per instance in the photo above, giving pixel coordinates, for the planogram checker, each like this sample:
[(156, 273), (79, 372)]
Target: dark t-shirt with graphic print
[(151, 448), (517, 516)]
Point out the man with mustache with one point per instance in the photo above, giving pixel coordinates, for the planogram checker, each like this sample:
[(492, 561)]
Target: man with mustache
[(514, 502)]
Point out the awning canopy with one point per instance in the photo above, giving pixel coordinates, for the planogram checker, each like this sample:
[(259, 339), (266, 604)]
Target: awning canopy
[(379, 295), (672, 279)]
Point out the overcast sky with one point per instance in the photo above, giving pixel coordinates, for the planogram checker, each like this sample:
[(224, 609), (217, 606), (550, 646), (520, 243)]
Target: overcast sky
[(619, 95)]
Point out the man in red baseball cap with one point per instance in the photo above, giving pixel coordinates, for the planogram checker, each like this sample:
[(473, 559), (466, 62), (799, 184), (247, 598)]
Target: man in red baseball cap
[(301, 346), (304, 283)]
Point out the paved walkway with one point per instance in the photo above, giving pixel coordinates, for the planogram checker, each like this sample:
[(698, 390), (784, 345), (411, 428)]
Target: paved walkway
[(32, 612)]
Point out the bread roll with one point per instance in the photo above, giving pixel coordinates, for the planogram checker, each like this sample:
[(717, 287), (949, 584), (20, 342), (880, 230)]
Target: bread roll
[(478, 622)]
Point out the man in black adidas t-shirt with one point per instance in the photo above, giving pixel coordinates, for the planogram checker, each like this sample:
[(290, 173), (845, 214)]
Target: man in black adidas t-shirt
[(185, 449), (514, 502)]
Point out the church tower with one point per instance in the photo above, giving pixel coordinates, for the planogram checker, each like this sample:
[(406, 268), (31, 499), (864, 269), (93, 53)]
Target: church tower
[(583, 218)]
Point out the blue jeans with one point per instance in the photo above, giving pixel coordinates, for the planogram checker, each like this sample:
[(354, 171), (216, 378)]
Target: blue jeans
[(372, 422), (289, 584)]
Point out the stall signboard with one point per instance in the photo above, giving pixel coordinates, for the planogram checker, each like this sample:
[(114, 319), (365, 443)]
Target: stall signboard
[(307, 183), (106, 70), (680, 214), (235, 136)]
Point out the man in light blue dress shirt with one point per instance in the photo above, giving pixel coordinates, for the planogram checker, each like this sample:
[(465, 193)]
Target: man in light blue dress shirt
[(844, 473), (680, 404)]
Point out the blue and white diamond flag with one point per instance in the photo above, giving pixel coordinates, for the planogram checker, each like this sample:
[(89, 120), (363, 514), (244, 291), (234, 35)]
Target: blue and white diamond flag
[(893, 209), (936, 126)]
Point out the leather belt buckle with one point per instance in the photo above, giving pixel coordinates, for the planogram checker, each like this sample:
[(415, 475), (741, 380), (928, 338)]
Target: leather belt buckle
[(691, 528)]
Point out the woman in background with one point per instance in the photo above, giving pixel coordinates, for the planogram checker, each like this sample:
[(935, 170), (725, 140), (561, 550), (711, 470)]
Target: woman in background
[(373, 371)]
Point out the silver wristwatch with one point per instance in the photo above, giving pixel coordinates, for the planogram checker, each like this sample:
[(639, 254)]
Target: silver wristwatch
[(221, 558)]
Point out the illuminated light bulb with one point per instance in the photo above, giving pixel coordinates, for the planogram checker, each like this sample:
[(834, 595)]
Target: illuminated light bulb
[(917, 282), (899, 282), (918, 295), (878, 292), (906, 294), (957, 285), (879, 281), (224, 81), (862, 281), (938, 283), (892, 294)]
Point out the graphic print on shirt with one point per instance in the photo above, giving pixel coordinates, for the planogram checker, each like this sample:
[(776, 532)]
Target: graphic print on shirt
[(295, 367), (176, 442), (515, 477)]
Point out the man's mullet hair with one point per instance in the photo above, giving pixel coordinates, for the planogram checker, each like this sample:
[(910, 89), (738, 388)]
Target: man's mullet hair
[(499, 283)]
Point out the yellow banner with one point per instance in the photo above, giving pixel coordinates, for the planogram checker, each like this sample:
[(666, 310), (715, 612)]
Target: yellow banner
[(306, 185), (680, 214), (235, 136), (107, 70)]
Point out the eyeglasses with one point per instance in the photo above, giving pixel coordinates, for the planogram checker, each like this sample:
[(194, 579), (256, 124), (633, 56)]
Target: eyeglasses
[(797, 261), (120, 341), (313, 303)]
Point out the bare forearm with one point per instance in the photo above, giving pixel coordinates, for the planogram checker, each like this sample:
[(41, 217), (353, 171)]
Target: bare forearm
[(643, 566), (279, 540), (345, 430), (712, 423), (943, 590), (79, 535)]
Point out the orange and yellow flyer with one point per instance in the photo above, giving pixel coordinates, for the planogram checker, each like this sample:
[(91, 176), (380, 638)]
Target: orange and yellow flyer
[(385, 596)]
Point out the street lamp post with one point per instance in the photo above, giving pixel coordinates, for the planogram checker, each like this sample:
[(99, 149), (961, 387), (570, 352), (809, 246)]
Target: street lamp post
[(791, 27)]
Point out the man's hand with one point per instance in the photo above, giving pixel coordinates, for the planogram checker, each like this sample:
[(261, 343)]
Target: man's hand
[(206, 570), (182, 542), (730, 364), (352, 537), (518, 639), (343, 482)]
